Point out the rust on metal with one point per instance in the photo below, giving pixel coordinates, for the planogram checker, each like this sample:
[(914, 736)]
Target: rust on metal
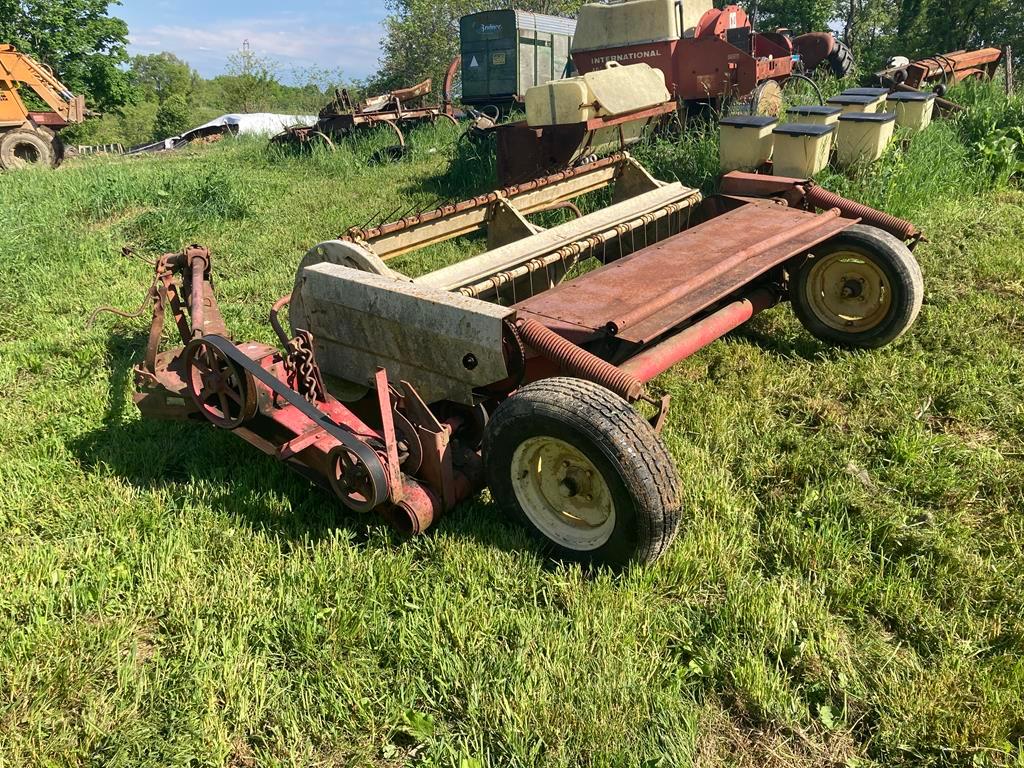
[(382, 389), (411, 233), (819, 197), (576, 361), (510, 192), (396, 110), (657, 359), (804, 193), (642, 296), (525, 152), (946, 69)]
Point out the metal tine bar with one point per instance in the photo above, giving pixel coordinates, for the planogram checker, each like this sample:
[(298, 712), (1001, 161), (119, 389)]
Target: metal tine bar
[(367, 222), (443, 202), (388, 217)]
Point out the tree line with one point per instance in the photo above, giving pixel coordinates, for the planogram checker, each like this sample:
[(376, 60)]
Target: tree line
[(876, 30), (147, 97), (153, 96), (421, 36)]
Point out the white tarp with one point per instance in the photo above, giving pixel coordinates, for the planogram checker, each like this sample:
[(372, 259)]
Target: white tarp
[(259, 123), (256, 124)]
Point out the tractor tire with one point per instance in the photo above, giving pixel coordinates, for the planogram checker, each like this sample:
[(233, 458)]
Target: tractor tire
[(26, 148), (59, 151), (840, 61), (862, 289), (584, 471)]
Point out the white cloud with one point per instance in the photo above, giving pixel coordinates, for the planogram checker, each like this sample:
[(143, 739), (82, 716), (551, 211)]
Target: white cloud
[(290, 39)]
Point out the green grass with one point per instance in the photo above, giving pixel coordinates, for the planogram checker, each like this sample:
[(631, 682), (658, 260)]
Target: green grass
[(848, 588)]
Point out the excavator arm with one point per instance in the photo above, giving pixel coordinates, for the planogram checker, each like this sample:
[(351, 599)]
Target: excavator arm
[(19, 69)]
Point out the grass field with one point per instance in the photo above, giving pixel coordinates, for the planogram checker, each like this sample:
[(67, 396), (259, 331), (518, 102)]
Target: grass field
[(847, 589)]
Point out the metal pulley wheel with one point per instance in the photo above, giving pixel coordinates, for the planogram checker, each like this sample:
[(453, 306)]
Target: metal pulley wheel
[(221, 390), (359, 488)]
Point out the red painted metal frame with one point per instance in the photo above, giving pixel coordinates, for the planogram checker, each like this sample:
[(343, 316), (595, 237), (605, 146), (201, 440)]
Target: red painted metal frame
[(49, 119), (948, 68), (278, 428), (526, 152), (657, 359), (706, 66), (447, 468)]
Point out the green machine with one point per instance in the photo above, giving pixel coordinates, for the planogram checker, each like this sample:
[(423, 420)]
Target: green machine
[(505, 52)]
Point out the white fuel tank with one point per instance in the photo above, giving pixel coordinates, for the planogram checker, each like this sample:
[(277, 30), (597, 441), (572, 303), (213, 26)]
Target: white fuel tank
[(615, 90)]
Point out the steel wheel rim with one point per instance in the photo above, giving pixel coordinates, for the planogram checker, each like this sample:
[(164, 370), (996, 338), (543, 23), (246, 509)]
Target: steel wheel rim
[(563, 493), (767, 100), (848, 291), (27, 153)]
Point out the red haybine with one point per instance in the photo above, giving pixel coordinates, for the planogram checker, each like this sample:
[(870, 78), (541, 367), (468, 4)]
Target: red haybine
[(516, 368)]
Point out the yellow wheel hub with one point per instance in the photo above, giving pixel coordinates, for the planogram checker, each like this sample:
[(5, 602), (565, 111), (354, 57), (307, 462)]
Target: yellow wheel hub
[(562, 493), (848, 291)]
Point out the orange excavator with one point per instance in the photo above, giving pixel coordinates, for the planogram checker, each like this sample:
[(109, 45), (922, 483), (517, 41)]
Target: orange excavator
[(30, 138)]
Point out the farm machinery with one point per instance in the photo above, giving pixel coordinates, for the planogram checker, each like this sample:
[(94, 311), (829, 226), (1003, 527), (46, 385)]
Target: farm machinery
[(395, 110), (943, 70), (701, 56), (26, 137), (707, 54), (520, 368)]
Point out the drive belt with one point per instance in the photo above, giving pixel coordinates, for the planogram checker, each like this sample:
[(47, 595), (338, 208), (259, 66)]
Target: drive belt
[(354, 445)]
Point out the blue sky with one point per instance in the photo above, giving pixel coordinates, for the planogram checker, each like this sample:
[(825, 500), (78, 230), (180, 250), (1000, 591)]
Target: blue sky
[(298, 34)]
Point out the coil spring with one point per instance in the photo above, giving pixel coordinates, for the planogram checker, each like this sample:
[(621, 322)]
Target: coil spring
[(576, 361), (822, 198)]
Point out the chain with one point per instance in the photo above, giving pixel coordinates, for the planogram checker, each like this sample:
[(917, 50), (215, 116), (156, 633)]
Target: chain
[(303, 372)]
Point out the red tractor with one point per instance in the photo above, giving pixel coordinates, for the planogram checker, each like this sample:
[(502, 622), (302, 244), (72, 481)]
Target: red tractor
[(707, 54)]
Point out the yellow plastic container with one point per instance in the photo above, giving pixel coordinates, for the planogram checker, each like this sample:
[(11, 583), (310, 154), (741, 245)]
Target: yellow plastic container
[(914, 111), (745, 143), (615, 90), (862, 138), (814, 114), (801, 150), (857, 103), (878, 94)]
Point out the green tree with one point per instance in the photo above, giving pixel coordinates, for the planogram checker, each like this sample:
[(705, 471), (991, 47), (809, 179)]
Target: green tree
[(79, 39), (172, 118), (798, 15), (878, 29), (251, 82), (422, 36), (872, 29), (161, 75)]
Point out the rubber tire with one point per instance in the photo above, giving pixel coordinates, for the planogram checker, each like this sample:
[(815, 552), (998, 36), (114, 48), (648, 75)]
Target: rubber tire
[(59, 150), (42, 143), (894, 258), (638, 469), (841, 61)]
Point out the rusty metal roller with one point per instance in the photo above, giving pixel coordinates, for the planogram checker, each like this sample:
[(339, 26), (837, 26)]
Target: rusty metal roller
[(819, 197), (577, 361)]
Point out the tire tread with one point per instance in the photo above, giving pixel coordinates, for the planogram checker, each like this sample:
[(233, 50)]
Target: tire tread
[(612, 424), (901, 261)]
